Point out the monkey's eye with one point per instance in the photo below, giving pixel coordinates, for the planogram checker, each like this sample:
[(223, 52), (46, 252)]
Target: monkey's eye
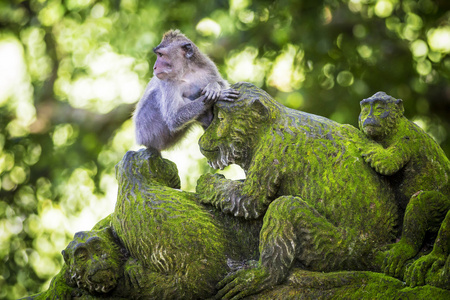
[(81, 254), (380, 107), (220, 116), (159, 54)]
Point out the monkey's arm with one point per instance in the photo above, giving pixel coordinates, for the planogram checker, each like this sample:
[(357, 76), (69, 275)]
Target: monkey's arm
[(249, 198), (417, 272), (191, 110), (387, 161), (188, 112)]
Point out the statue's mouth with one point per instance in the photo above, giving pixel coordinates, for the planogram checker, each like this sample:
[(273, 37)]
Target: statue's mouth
[(214, 159), (102, 281), (372, 128), (209, 153)]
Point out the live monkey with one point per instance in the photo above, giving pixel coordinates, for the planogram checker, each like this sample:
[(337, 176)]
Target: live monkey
[(185, 85)]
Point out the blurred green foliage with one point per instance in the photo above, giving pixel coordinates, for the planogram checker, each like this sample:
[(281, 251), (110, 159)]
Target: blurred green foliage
[(71, 71)]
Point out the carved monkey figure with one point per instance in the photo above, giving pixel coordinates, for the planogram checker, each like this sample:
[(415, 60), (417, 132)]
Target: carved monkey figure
[(417, 168), (438, 261), (185, 85), (379, 115), (94, 261)]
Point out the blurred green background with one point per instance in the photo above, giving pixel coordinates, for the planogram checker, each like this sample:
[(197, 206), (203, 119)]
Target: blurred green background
[(71, 72)]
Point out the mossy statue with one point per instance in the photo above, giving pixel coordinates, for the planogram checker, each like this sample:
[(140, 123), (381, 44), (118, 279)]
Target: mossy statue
[(342, 211), (417, 168), (159, 243), (433, 268), (320, 214)]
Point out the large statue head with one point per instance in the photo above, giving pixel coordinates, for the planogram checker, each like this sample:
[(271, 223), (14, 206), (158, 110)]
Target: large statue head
[(379, 114), (235, 129), (94, 261), (147, 165)]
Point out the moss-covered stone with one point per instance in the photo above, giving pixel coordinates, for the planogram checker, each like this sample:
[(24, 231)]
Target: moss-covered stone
[(324, 208), (320, 211), (342, 210), (416, 167), (159, 243)]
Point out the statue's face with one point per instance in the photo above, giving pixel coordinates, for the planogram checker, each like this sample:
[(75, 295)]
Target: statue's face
[(373, 117), (94, 261), (233, 133), (218, 140), (377, 117)]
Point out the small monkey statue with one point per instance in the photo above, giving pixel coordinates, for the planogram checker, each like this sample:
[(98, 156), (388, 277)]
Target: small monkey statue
[(185, 85)]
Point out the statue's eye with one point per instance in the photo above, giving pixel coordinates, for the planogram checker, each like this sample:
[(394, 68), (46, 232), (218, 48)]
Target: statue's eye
[(81, 254), (379, 106), (220, 116)]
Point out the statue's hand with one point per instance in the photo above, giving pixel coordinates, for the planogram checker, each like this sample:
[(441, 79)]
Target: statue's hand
[(416, 273), (394, 262), (206, 188), (245, 282), (378, 160), (134, 274)]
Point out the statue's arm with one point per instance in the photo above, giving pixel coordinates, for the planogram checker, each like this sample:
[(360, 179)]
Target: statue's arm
[(249, 198), (387, 161), (58, 289)]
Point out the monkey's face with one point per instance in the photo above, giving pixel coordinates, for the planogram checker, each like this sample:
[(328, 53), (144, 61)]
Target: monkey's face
[(163, 67), (94, 261), (372, 117), (233, 133), (377, 117)]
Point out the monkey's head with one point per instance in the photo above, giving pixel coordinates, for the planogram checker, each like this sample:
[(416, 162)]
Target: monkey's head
[(236, 128), (94, 261), (379, 115), (173, 55), (147, 165)]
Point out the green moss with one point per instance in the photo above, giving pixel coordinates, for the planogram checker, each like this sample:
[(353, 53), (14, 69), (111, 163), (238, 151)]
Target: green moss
[(416, 167), (343, 209), (342, 212), (314, 206)]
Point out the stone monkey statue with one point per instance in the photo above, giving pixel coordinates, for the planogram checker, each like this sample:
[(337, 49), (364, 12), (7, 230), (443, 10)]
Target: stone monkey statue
[(185, 85), (323, 207), (433, 268), (415, 165)]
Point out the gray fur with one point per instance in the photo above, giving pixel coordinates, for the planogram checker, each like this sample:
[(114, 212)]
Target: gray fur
[(184, 96)]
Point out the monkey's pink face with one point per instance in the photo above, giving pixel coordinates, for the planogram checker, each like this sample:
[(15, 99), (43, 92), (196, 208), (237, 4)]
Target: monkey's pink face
[(163, 65)]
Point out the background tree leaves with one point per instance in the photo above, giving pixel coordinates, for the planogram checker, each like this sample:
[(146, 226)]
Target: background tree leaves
[(71, 72)]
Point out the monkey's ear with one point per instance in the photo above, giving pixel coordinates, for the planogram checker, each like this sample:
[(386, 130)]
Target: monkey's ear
[(188, 50), (65, 256), (399, 103)]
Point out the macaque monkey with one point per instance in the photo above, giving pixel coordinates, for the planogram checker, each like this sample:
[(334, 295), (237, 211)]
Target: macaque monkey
[(185, 85)]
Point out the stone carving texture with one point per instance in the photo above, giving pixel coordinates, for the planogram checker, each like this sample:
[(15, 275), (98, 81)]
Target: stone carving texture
[(321, 214), (418, 170)]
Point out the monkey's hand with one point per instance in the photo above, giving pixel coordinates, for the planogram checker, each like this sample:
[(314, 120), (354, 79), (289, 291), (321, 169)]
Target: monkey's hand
[(211, 92), (394, 262), (229, 95), (134, 274), (206, 187), (416, 273), (380, 159), (245, 282)]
